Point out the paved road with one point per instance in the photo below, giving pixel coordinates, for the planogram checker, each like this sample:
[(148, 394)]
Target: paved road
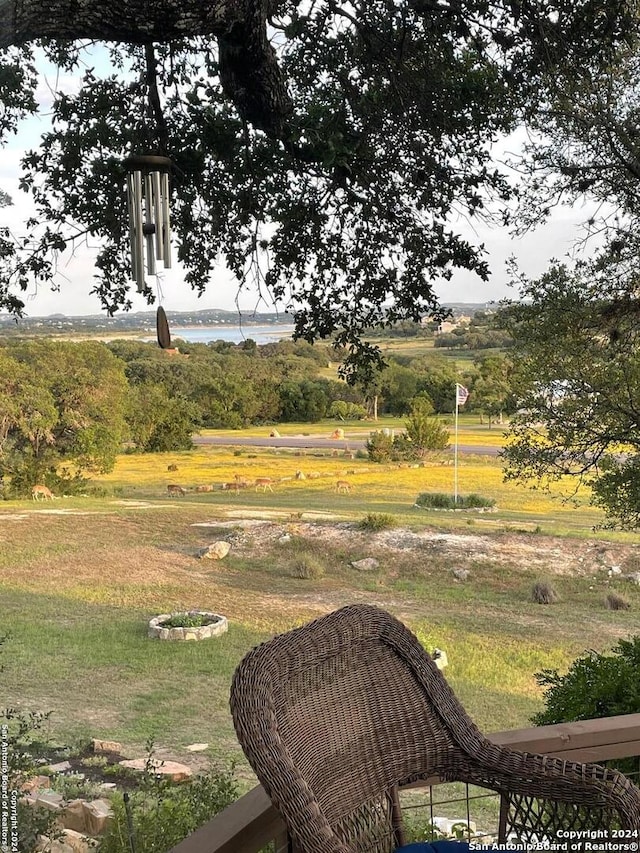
[(316, 442)]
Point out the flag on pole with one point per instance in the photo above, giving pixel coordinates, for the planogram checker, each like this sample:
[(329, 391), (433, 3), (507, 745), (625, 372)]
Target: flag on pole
[(461, 395)]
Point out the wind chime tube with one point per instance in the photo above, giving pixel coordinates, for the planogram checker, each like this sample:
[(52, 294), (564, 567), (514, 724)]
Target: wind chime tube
[(148, 211), (166, 222), (157, 212), (132, 230), (137, 225)]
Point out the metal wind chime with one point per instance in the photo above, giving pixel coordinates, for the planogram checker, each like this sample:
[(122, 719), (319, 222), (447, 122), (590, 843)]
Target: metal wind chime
[(148, 200)]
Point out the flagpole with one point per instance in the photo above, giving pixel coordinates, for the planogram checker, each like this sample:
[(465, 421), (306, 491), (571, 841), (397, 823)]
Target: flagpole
[(455, 455)]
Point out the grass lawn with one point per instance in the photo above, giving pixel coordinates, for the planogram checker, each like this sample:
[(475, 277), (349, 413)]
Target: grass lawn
[(79, 582)]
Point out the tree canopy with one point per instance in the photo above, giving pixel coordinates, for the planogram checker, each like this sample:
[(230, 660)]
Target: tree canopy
[(577, 381), (323, 151)]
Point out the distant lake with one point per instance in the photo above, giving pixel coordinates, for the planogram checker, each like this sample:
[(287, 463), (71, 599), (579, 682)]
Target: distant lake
[(234, 334)]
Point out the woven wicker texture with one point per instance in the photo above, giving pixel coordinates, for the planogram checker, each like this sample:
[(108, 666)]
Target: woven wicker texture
[(335, 715)]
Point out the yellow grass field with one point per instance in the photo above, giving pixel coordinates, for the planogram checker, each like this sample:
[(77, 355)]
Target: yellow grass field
[(373, 487)]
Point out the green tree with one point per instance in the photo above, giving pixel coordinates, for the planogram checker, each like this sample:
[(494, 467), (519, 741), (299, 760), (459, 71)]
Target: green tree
[(577, 386), (491, 392), (423, 430), (303, 401), (323, 157), (62, 403)]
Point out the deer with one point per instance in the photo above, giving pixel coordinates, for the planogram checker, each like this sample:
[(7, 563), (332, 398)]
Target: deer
[(241, 482), (174, 489), (204, 488), (41, 491), (264, 483), (343, 486), (172, 467)]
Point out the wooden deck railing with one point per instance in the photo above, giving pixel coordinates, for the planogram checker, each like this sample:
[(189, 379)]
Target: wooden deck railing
[(251, 822)]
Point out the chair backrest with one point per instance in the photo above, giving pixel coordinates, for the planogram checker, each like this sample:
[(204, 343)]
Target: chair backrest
[(334, 715)]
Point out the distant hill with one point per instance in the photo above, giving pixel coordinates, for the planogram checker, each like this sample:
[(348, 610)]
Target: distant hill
[(146, 320), (137, 321)]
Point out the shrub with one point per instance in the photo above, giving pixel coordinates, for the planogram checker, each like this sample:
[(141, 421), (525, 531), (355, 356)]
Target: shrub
[(440, 500), (378, 521), (616, 602), (596, 685), (163, 813), (436, 500), (379, 447), (308, 567), (543, 593)]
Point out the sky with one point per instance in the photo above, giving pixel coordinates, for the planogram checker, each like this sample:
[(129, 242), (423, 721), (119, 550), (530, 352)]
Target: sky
[(554, 240)]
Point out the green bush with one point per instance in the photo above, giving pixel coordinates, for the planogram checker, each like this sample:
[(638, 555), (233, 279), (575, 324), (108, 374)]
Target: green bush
[(596, 685), (379, 447), (163, 813), (378, 521), (440, 500)]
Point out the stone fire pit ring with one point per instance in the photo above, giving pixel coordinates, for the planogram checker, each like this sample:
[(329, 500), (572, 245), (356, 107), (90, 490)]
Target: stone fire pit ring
[(213, 627)]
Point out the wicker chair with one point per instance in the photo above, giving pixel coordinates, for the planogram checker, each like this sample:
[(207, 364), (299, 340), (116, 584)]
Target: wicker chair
[(335, 715)]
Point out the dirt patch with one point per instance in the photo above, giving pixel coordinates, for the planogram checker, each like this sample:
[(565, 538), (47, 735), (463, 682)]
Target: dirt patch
[(548, 554)]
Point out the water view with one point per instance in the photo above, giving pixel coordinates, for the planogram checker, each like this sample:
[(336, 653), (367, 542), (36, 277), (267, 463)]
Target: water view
[(235, 334)]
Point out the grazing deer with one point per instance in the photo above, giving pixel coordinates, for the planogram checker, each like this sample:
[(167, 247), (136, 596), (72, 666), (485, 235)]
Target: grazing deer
[(264, 483), (41, 491), (241, 482), (172, 467), (343, 486), (174, 489), (204, 488)]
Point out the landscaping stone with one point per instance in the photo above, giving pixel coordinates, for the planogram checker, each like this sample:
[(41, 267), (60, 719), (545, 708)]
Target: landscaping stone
[(368, 564), (49, 800), (54, 845), (60, 767), (73, 816), (106, 745), (215, 551), (36, 784), (77, 841), (173, 769), (98, 816)]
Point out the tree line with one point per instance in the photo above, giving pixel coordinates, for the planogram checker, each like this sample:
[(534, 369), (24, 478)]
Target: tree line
[(68, 408)]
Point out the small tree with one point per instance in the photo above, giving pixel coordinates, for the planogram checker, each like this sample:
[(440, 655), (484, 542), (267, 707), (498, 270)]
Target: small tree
[(425, 431)]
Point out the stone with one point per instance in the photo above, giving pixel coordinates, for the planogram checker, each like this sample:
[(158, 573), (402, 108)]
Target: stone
[(73, 816), (77, 841), (60, 767), (98, 816), (286, 537), (49, 800), (53, 845), (197, 747), (461, 574), (106, 745), (615, 570), (173, 769), (368, 564), (215, 551), (35, 784)]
